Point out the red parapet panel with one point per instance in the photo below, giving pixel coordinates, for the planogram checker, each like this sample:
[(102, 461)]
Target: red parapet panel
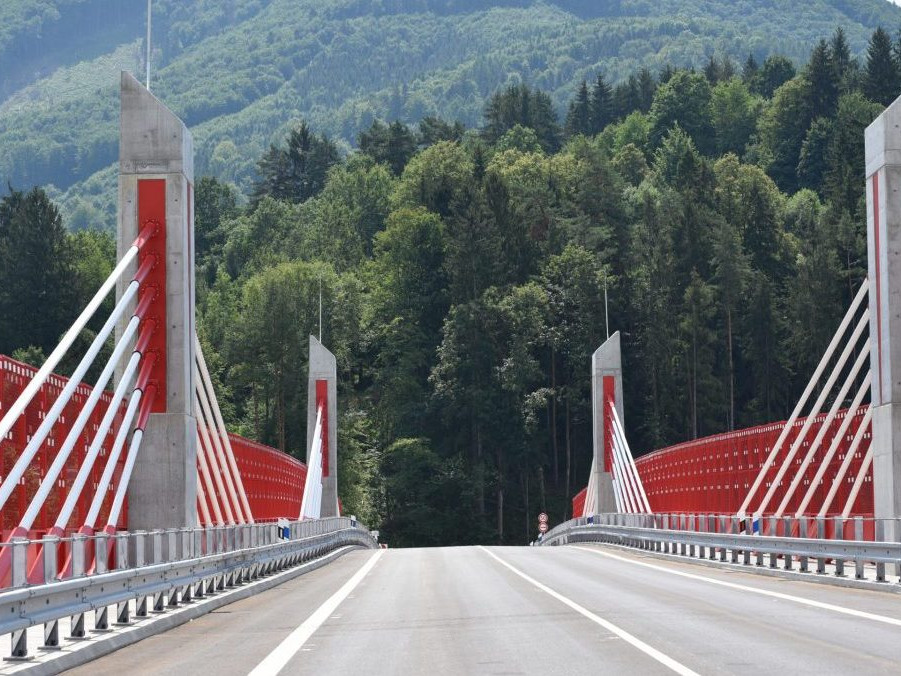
[(274, 481), (14, 376), (713, 475)]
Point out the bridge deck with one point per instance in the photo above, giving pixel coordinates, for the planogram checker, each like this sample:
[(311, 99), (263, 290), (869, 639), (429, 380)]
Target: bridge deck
[(460, 610)]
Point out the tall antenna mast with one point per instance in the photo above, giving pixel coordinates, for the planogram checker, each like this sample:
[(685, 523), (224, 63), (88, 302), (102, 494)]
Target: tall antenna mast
[(320, 309), (147, 78)]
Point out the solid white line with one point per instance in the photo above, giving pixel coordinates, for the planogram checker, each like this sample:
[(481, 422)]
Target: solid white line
[(753, 590), (665, 660), (278, 658)]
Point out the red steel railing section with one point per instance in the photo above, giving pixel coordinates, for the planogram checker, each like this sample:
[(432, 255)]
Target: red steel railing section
[(14, 376), (713, 475), (273, 480)]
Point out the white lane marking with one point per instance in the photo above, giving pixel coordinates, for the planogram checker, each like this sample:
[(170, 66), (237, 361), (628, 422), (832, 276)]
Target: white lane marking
[(754, 590), (665, 660), (275, 661)]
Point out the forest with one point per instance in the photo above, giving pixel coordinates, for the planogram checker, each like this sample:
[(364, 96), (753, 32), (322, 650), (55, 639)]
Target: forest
[(242, 72), (463, 272)]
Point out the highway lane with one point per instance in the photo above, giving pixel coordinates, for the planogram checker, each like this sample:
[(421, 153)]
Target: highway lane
[(563, 610)]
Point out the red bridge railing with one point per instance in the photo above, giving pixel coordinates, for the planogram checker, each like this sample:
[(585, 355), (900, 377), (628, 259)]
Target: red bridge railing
[(273, 480), (713, 475)]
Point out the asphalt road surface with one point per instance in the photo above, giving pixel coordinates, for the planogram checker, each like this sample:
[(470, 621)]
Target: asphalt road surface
[(547, 610)]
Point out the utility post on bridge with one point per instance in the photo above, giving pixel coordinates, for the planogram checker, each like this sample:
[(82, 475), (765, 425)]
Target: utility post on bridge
[(606, 386), (156, 173), (883, 172), (322, 390)]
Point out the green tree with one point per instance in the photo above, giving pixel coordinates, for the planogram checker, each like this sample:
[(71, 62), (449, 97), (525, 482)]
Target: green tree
[(683, 101), (882, 78), (518, 104), (297, 171), (600, 105), (579, 117), (734, 113), (38, 277)]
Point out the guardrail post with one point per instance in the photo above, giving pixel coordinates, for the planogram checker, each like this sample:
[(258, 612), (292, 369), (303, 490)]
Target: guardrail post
[(48, 554), (749, 531), (839, 535), (156, 546), (802, 532), (101, 553), (787, 532), (858, 536), (734, 528), (879, 535), (123, 608), (821, 534), (722, 529)]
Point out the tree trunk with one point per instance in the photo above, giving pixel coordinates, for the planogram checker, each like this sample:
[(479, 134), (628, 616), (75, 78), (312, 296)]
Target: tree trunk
[(554, 418), (500, 495), (731, 370), (524, 480), (568, 462)]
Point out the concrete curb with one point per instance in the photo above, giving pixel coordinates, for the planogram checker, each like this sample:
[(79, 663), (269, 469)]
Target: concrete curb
[(830, 580), (80, 653)]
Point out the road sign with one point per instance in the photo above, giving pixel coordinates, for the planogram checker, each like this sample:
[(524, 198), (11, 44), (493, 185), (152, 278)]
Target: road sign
[(542, 518), (542, 527)]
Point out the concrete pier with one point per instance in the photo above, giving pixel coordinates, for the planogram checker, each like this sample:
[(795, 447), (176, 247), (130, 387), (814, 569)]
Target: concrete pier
[(606, 384), (883, 188), (156, 174), (322, 388)]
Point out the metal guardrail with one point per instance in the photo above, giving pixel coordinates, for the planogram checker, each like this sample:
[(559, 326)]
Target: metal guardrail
[(156, 571), (643, 532)]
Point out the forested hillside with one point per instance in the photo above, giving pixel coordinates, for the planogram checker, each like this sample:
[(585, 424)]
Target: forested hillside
[(241, 72)]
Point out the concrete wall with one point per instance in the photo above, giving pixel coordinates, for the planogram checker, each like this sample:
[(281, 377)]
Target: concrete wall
[(155, 144)]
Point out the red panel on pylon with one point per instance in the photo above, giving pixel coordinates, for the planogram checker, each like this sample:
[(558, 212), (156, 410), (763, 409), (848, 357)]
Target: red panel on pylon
[(322, 403), (609, 390), (152, 210)]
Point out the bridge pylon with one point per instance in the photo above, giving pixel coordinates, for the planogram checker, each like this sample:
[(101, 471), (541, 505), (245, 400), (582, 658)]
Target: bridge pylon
[(156, 176), (322, 399), (606, 388)]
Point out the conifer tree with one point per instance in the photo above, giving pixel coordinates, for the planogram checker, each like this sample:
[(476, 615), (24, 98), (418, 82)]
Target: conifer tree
[(601, 105), (579, 117), (882, 81)]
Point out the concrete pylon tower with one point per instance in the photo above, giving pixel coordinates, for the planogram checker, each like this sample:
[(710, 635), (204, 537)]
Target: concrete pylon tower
[(322, 390), (883, 187), (156, 173), (606, 386)]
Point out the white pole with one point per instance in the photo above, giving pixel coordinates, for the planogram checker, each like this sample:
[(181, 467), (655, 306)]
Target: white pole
[(149, 14), (606, 313)]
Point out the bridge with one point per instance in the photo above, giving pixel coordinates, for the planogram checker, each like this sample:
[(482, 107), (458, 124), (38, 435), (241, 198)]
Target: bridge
[(138, 534)]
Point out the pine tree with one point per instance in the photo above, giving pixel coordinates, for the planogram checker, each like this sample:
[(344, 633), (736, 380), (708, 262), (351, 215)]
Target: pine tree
[(842, 63), (820, 75), (750, 70), (579, 117), (601, 105), (647, 87), (882, 81)]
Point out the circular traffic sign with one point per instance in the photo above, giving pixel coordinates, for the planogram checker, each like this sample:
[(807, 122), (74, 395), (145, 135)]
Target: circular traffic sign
[(542, 518), (542, 527)]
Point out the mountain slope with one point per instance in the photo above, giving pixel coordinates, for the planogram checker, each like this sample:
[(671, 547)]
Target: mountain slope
[(241, 71)]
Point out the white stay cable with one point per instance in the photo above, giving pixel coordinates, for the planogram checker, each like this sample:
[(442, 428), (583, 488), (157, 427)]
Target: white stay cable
[(222, 431), (620, 432), (33, 387), (814, 379)]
